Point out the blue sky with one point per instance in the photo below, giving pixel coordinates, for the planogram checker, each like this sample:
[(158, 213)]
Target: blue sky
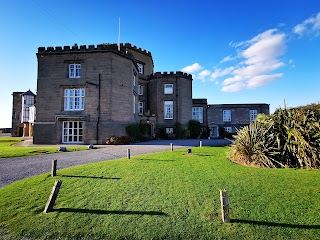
[(238, 51)]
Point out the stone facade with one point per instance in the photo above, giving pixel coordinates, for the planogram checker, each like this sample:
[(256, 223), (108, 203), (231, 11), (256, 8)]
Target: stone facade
[(89, 93)]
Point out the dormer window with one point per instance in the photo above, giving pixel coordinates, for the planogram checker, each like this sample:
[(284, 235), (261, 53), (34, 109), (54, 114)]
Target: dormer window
[(74, 70)]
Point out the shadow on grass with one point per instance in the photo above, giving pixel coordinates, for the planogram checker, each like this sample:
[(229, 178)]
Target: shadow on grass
[(150, 159), (273, 224), (95, 211), (74, 176)]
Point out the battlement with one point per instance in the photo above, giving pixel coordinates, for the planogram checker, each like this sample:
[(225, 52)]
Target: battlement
[(90, 48), (171, 74)]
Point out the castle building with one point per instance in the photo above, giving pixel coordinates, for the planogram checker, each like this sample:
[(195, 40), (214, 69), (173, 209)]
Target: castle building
[(86, 94)]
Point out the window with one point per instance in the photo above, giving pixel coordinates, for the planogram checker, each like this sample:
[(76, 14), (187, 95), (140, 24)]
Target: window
[(72, 132), (197, 114), (74, 70), (140, 90), (226, 115), (253, 115), (169, 130), (140, 68), (228, 129), (140, 108), (168, 88), (134, 104), (134, 80), (168, 109), (74, 99)]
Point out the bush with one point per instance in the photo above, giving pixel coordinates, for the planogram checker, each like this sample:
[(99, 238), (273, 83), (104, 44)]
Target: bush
[(194, 128), (137, 131), (287, 138)]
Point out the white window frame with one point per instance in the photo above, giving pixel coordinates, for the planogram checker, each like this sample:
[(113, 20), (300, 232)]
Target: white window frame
[(253, 115), (197, 114), (169, 130), (72, 132), (74, 99), (226, 115), (140, 90), (134, 104), (140, 68), (74, 70), (168, 110), (134, 80), (228, 129), (140, 107), (168, 88)]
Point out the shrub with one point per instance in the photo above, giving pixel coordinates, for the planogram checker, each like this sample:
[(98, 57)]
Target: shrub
[(137, 131), (194, 128)]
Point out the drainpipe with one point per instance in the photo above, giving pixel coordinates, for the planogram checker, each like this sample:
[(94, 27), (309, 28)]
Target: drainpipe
[(98, 119)]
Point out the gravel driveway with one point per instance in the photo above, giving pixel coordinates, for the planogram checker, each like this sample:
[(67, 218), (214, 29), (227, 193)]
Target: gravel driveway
[(14, 169)]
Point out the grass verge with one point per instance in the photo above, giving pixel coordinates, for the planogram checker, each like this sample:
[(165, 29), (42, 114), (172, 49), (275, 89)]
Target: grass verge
[(165, 196), (7, 149)]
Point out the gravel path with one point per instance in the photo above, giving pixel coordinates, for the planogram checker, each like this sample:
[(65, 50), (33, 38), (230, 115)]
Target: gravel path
[(14, 169)]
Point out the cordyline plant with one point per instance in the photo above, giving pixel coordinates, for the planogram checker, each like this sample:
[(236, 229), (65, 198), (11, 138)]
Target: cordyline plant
[(287, 138)]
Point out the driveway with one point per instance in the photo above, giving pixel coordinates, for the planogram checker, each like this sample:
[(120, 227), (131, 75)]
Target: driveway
[(14, 169)]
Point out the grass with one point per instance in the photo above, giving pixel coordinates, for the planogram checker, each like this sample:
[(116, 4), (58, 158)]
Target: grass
[(165, 196), (7, 149)]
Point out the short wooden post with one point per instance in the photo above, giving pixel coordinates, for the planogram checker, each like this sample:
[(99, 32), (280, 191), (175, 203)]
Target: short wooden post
[(54, 168), (128, 153), (53, 196), (171, 147), (225, 205), (200, 143)]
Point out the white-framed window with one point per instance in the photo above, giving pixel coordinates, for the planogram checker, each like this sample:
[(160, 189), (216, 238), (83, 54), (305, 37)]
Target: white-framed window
[(140, 107), (169, 130), (168, 109), (227, 115), (197, 114), (134, 80), (74, 99), (74, 70), (253, 115), (168, 88), (134, 103), (140, 90), (72, 132), (140, 68), (228, 129)]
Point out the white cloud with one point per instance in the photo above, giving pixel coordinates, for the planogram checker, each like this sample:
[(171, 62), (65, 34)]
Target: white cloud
[(221, 72), (227, 59), (261, 57), (309, 26), (192, 68), (203, 74)]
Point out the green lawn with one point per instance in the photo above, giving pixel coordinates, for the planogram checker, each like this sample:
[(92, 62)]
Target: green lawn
[(165, 196), (7, 150)]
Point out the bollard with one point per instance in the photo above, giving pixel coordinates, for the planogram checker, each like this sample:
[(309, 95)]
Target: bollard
[(171, 147), (53, 196), (200, 143), (128, 153), (54, 168), (189, 150), (225, 205)]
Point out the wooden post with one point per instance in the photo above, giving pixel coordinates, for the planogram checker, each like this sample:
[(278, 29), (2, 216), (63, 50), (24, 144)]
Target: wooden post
[(53, 196), (200, 143), (225, 205), (54, 168), (128, 153), (171, 147)]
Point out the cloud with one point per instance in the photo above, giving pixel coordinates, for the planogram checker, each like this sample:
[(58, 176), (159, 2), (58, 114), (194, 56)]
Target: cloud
[(192, 68), (203, 74), (309, 26), (227, 59), (260, 57), (220, 72)]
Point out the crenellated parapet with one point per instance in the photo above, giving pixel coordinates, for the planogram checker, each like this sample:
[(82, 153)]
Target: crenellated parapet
[(170, 74), (92, 48)]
